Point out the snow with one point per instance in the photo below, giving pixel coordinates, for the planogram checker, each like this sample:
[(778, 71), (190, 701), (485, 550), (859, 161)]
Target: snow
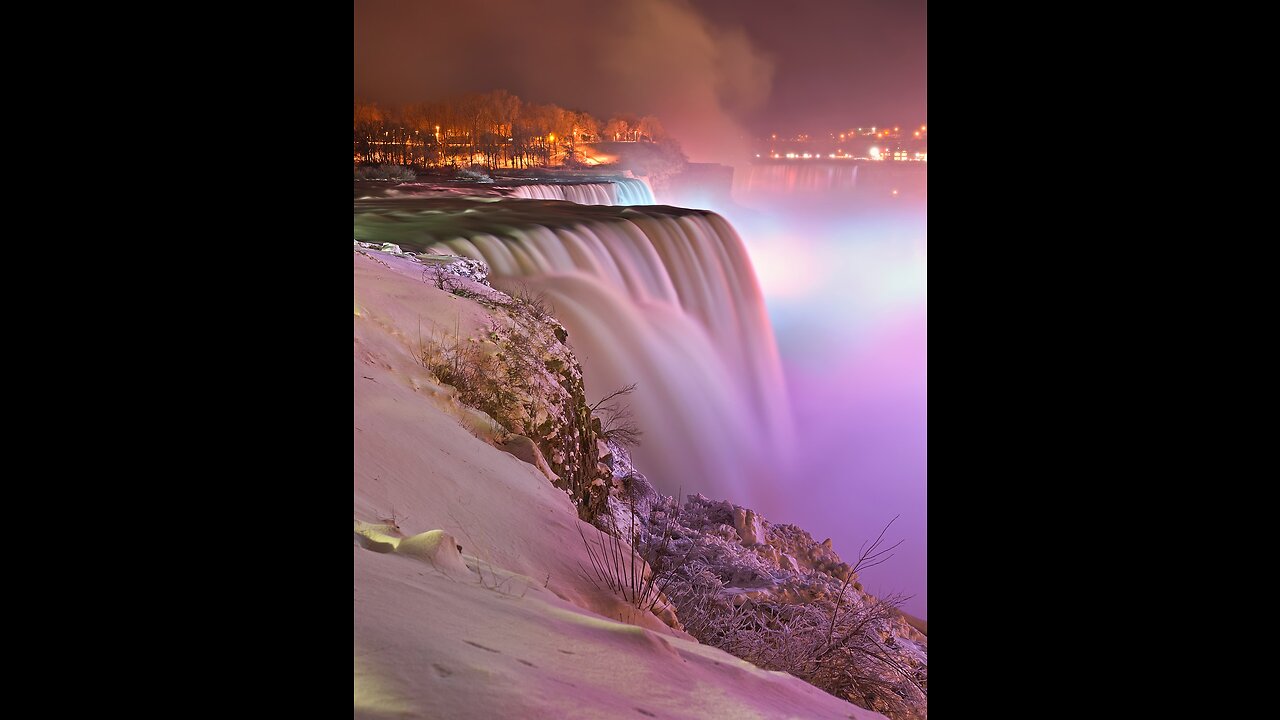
[(509, 626)]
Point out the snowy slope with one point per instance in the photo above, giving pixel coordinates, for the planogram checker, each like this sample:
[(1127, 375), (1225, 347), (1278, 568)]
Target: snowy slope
[(510, 626)]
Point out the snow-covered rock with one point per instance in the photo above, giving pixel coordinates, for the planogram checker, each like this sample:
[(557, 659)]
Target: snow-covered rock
[(455, 266), (723, 560)]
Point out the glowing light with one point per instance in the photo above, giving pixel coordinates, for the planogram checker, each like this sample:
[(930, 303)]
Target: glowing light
[(895, 192), (757, 154), (875, 153), (787, 267), (831, 155), (896, 129), (917, 133), (791, 155)]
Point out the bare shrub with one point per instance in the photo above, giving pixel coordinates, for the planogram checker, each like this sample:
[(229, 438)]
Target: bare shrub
[(386, 171), (497, 383), (534, 303), (526, 384), (626, 571), (617, 422)]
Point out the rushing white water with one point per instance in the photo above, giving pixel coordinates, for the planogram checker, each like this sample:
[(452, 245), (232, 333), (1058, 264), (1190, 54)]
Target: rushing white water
[(660, 297), (623, 191)]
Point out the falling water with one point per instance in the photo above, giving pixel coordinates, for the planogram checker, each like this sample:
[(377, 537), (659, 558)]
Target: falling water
[(662, 297), (791, 178), (623, 191), (817, 180)]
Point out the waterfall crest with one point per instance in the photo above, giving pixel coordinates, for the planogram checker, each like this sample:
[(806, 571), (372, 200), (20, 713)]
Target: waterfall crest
[(623, 191)]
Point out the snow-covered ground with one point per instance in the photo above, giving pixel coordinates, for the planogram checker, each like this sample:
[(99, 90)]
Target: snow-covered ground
[(509, 625)]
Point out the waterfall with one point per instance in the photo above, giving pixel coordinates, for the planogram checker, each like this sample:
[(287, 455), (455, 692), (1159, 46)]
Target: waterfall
[(789, 178), (634, 191), (832, 181), (623, 191), (662, 297)]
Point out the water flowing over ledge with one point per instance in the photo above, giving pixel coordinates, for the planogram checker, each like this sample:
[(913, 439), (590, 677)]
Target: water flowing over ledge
[(659, 296), (624, 191), (601, 191)]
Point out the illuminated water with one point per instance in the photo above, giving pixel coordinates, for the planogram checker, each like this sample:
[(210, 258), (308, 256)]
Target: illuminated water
[(624, 191), (796, 183)]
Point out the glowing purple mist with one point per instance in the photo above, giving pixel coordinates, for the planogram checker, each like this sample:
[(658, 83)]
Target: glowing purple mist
[(843, 265)]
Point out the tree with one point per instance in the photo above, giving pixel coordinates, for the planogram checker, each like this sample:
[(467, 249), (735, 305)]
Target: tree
[(368, 127), (587, 127), (651, 128), (617, 129), (494, 129), (505, 109)]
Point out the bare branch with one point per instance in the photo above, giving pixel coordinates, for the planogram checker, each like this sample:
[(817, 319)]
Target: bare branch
[(617, 422), (616, 393)]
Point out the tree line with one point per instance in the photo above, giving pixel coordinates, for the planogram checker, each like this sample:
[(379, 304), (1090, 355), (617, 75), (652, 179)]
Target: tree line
[(494, 129)]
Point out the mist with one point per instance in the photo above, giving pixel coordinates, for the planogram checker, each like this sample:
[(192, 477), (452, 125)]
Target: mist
[(844, 275)]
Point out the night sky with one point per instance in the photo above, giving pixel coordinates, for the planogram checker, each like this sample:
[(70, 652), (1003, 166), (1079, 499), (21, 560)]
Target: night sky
[(716, 72)]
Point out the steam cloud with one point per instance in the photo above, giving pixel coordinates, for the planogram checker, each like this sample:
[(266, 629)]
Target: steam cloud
[(658, 57)]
